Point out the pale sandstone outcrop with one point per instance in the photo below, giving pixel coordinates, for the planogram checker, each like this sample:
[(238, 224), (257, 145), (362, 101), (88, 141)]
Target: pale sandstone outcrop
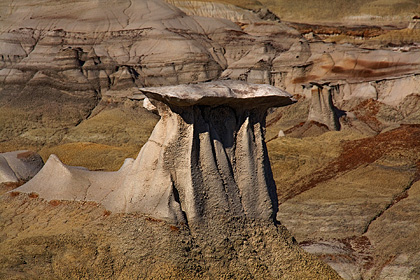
[(59, 181), (205, 158), (158, 43), (60, 37)]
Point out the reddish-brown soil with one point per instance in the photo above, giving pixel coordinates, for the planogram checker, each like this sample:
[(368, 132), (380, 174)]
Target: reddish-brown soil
[(356, 31), (405, 139), (367, 112), (8, 186)]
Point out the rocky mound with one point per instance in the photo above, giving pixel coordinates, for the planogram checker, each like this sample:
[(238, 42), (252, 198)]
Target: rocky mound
[(19, 166)]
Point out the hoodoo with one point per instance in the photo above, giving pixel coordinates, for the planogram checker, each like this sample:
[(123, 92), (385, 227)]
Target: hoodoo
[(206, 158), (322, 107), (205, 173)]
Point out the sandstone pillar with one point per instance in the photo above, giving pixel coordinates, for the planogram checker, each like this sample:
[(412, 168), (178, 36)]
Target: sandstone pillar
[(322, 107), (206, 159), (206, 156)]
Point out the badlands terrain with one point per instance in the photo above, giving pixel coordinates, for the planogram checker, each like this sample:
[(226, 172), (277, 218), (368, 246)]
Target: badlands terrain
[(88, 81)]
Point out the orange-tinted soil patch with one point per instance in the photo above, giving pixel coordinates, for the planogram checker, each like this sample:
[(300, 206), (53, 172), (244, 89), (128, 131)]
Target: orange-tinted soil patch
[(107, 213), (33, 195), (14, 194), (54, 202), (174, 228), (8, 186)]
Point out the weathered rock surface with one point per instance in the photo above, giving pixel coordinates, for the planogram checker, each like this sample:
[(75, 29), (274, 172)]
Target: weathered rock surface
[(51, 63), (53, 44), (58, 62), (216, 10), (60, 68), (322, 107), (369, 90), (62, 83), (348, 67)]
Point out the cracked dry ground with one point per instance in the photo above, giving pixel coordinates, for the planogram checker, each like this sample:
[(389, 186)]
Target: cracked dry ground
[(357, 206)]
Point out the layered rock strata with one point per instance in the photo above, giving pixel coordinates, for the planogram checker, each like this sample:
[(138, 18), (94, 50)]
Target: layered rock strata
[(349, 66), (206, 157), (57, 62)]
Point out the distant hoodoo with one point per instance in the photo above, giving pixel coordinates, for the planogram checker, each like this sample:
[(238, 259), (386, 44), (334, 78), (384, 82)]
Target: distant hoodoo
[(206, 158), (322, 107)]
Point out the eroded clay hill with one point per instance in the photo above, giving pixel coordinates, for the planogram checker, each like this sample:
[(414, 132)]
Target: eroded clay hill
[(62, 67)]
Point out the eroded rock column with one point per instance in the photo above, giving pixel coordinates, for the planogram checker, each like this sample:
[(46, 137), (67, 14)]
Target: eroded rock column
[(206, 157), (322, 107)]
